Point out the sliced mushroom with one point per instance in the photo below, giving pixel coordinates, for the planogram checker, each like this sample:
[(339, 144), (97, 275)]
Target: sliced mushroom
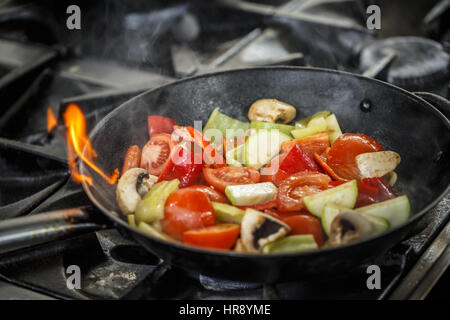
[(271, 110), (349, 226), (377, 164), (259, 229), (132, 186)]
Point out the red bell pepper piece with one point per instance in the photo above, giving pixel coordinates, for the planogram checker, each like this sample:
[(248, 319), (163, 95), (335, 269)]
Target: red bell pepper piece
[(297, 160), (327, 168), (211, 156), (316, 143), (182, 165), (159, 124), (284, 165), (366, 195), (385, 191)]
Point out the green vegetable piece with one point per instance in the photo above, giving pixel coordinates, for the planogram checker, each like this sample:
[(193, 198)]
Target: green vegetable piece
[(303, 123), (316, 125), (151, 207), (251, 194), (148, 229), (131, 220), (395, 211), (379, 224), (330, 211), (296, 243), (226, 213), (229, 127), (235, 157), (334, 131), (343, 195), (262, 146), (284, 128)]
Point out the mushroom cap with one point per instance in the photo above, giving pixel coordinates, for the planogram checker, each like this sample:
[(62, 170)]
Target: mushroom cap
[(130, 187), (259, 229), (349, 226), (271, 110)]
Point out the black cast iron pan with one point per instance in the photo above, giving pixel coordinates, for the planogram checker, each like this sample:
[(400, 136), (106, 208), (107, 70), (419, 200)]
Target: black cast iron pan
[(399, 120)]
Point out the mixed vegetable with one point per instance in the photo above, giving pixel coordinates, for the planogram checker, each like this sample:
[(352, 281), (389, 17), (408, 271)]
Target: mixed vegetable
[(263, 186)]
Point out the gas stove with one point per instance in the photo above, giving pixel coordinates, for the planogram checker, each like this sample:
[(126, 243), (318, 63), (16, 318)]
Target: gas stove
[(124, 49)]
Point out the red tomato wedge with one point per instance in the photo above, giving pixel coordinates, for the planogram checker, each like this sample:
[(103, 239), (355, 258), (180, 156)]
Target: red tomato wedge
[(187, 209), (159, 124), (341, 156), (291, 191), (221, 236), (220, 178), (316, 143), (212, 193), (305, 224), (182, 165), (282, 166), (156, 153)]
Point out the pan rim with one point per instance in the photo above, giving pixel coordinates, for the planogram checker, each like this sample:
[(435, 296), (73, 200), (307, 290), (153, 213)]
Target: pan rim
[(198, 250)]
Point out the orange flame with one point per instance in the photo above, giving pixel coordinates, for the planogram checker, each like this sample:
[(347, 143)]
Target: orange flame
[(51, 120), (77, 141)]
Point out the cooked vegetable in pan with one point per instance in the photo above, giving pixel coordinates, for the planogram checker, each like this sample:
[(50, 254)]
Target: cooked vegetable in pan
[(264, 186)]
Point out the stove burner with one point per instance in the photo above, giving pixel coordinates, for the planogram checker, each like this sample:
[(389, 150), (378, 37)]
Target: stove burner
[(418, 63), (214, 284)]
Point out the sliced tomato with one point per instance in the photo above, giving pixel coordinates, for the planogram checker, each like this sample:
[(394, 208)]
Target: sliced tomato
[(385, 191), (187, 209), (220, 178), (221, 236), (319, 159), (159, 124), (291, 191), (212, 193), (305, 224), (156, 153), (316, 143), (182, 165), (262, 206), (341, 156), (282, 166)]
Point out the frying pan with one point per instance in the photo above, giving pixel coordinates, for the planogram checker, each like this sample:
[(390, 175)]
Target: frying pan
[(398, 119)]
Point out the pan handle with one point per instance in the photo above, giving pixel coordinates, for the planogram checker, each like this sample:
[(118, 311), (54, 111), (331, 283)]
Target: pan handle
[(23, 232), (442, 104)]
